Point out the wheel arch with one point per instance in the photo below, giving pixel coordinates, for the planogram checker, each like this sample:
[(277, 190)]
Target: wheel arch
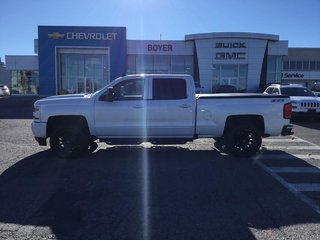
[(256, 120), (78, 121)]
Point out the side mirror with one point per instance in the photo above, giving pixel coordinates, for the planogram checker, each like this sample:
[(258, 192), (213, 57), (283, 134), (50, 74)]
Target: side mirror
[(108, 96)]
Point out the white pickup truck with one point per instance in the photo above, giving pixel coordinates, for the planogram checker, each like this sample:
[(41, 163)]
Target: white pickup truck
[(161, 109)]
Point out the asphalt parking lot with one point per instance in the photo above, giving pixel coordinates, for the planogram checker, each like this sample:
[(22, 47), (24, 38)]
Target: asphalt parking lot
[(154, 192)]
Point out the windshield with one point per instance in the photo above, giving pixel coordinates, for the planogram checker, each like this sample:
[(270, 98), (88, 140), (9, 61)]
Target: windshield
[(296, 91)]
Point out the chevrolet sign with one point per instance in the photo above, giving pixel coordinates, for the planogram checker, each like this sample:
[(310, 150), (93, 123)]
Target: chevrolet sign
[(91, 36)]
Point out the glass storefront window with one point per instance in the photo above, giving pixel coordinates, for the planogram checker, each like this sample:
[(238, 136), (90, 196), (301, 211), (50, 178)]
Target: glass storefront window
[(274, 69), (286, 65), (131, 64), (305, 65), (178, 64), (188, 65), (25, 82), (159, 64), (313, 65), (230, 74), (299, 65), (229, 71), (82, 70), (293, 65), (144, 64)]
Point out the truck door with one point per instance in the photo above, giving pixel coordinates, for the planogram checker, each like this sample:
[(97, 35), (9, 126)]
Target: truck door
[(170, 112), (125, 116)]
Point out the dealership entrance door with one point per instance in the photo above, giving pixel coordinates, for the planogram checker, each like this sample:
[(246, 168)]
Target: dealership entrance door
[(85, 85), (234, 81), (82, 70), (230, 74)]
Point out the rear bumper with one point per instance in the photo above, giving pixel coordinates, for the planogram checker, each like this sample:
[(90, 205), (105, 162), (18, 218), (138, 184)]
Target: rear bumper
[(308, 114), (287, 130)]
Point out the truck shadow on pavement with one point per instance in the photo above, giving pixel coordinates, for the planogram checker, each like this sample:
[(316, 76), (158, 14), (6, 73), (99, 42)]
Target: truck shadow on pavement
[(312, 124), (139, 193)]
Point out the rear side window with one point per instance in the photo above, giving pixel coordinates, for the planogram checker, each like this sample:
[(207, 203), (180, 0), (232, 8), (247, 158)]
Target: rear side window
[(276, 91), (169, 88), (269, 90)]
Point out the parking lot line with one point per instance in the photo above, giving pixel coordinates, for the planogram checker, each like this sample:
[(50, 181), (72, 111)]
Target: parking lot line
[(282, 140), (304, 150), (314, 147), (292, 139), (295, 188), (282, 156), (306, 187), (295, 169)]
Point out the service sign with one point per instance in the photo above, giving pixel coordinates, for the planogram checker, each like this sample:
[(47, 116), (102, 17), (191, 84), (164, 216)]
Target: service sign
[(292, 75)]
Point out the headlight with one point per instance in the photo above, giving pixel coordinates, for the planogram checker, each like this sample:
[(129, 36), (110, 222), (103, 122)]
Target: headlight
[(36, 113), (294, 104)]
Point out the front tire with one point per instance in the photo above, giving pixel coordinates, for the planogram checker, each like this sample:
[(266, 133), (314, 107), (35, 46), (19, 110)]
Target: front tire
[(69, 142), (243, 140)]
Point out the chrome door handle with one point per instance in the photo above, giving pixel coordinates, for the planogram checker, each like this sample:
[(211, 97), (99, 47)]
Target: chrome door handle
[(185, 106), (137, 106)]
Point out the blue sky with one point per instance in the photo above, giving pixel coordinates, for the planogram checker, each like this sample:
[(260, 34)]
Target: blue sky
[(297, 21)]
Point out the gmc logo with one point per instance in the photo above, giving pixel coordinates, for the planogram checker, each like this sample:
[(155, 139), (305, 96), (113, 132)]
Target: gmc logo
[(230, 56)]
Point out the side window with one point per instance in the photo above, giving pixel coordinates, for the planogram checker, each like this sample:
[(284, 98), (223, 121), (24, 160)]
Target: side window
[(269, 90), (132, 89), (276, 91), (169, 89)]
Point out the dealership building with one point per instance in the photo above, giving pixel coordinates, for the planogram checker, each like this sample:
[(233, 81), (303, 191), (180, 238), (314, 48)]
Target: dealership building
[(85, 59)]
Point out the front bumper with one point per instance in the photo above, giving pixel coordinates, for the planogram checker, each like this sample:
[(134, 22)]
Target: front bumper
[(287, 130), (39, 130)]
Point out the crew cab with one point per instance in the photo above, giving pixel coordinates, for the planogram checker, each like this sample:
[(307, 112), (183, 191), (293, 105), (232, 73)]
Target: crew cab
[(161, 109), (304, 102)]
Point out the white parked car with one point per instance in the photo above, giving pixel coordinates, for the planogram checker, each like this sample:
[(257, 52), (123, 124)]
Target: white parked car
[(304, 102), (4, 90), (316, 89)]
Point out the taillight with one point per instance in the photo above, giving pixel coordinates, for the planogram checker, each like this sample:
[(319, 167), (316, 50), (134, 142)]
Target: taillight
[(287, 111)]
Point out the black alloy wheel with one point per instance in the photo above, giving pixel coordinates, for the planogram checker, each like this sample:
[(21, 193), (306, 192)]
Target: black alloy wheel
[(243, 140)]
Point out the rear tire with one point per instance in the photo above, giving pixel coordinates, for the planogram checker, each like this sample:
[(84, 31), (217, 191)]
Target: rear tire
[(69, 142), (243, 140)]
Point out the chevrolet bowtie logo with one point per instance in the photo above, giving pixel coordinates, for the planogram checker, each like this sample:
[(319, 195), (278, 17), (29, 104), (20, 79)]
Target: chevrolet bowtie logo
[(56, 35)]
